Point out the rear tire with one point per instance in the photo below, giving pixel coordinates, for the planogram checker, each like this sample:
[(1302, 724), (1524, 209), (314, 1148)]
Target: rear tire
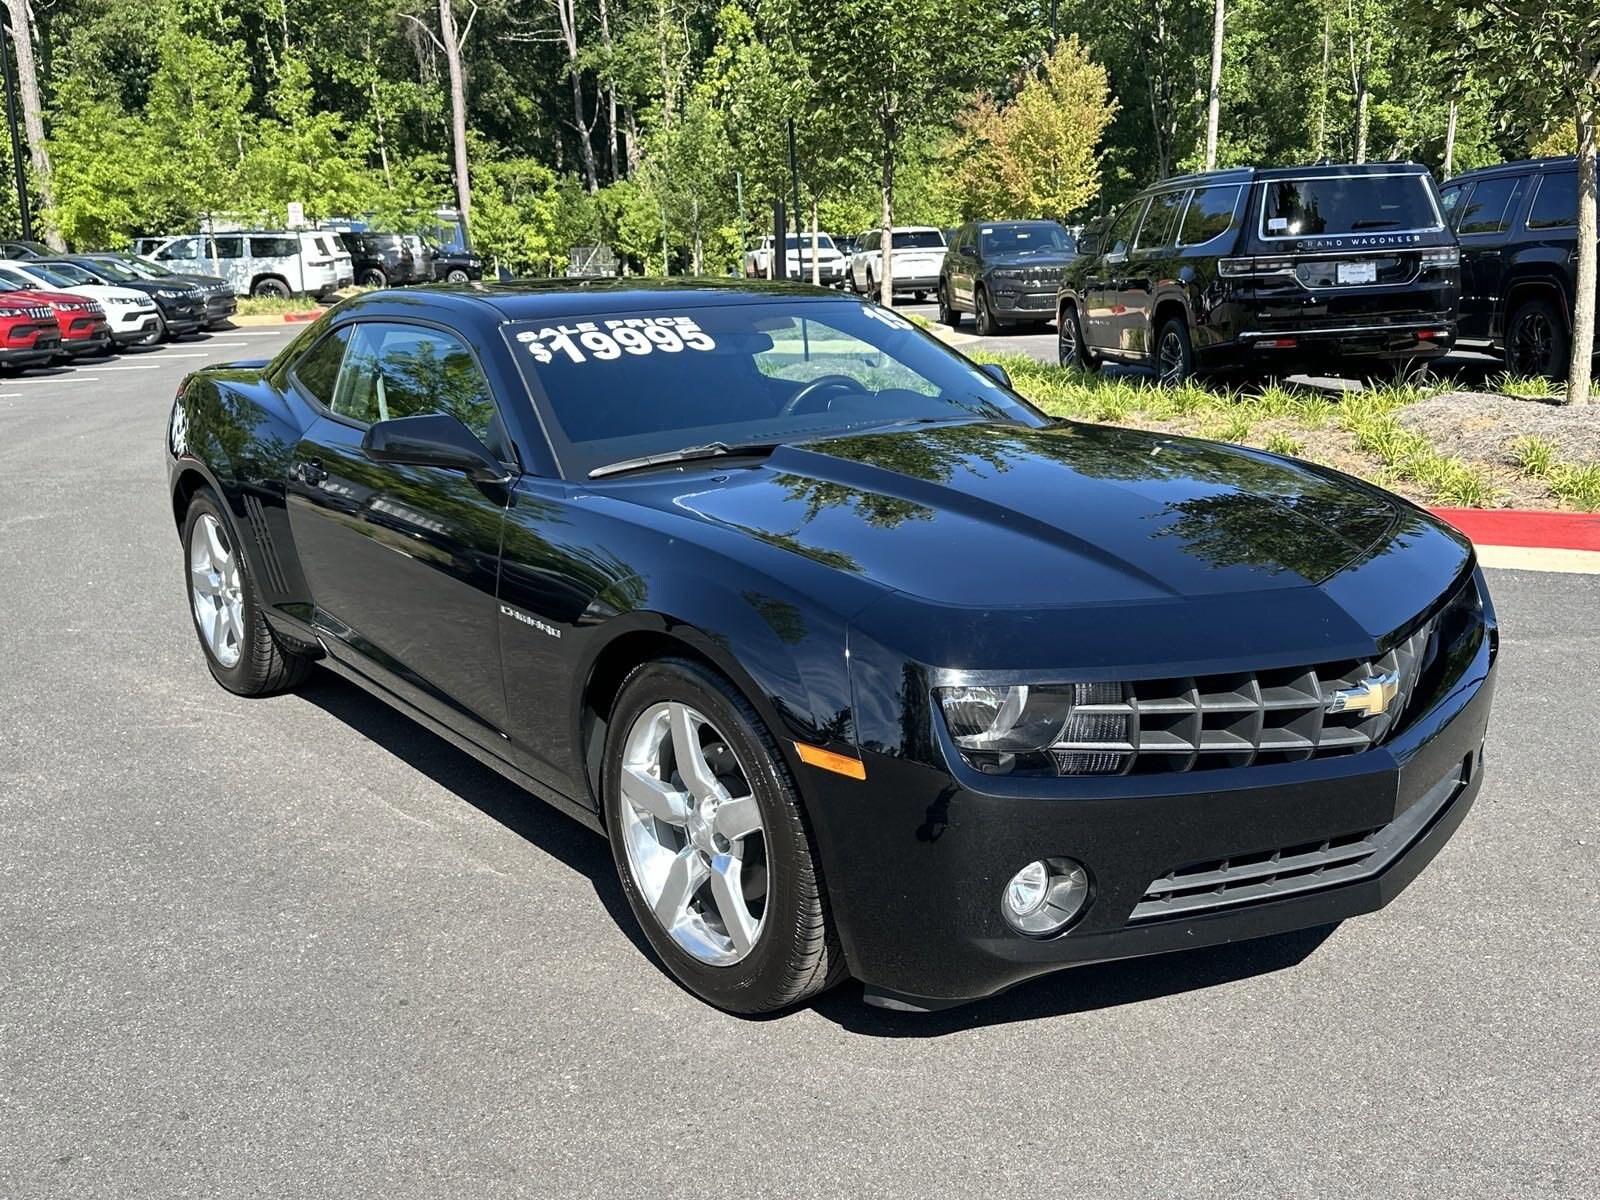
[(1537, 341), (1174, 354), (457, 275), (271, 287), (672, 855), (373, 278), (224, 603)]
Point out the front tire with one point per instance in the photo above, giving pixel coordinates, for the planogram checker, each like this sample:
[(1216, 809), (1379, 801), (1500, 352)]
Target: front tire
[(1070, 348), (710, 842), (1537, 342), (239, 646), (947, 311), (988, 325), (457, 275)]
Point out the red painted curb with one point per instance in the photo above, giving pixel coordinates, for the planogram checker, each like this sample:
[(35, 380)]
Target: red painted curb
[(310, 314), (1526, 527)]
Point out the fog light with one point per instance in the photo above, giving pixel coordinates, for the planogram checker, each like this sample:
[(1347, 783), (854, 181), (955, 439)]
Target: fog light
[(1044, 897)]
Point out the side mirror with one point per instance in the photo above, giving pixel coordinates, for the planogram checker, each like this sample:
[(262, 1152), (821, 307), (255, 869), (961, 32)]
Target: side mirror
[(996, 372), (432, 440)]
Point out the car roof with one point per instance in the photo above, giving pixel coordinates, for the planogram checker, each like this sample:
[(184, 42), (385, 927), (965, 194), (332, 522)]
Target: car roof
[(536, 299), (1518, 167), (1300, 171)]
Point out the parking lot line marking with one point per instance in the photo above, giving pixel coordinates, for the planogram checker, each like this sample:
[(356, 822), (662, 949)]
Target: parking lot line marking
[(132, 367), (1533, 558), (196, 354)]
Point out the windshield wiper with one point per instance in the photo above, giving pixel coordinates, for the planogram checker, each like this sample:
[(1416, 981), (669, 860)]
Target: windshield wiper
[(686, 454)]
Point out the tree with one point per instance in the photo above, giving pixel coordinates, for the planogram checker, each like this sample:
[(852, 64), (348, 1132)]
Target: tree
[(1214, 97), (451, 39), (23, 35), (1038, 155), (908, 62), (1553, 47)]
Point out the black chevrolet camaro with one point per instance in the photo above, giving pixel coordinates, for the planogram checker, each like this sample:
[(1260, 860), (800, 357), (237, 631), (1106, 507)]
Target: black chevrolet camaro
[(864, 666)]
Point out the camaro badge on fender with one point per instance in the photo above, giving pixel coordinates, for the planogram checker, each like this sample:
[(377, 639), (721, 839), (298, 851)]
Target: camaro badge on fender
[(1371, 697), (518, 615)]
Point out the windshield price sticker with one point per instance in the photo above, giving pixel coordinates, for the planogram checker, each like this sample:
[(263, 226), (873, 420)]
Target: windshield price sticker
[(609, 340)]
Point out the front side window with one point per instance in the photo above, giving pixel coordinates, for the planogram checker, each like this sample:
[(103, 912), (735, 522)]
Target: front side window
[(1344, 204), (1160, 223), (618, 386), (1450, 202), (393, 370), (1120, 235), (274, 247), (1209, 214), (1489, 208), (318, 371), (182, 250), (1555, 204)]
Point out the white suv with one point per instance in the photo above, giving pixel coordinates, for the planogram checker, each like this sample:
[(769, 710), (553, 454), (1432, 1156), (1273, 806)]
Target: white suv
[(918, 255), (830, 263), (265, 263)]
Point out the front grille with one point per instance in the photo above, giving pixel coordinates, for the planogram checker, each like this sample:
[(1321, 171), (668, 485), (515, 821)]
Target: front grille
[(1240, 719), (39, 314), (1272, 874)]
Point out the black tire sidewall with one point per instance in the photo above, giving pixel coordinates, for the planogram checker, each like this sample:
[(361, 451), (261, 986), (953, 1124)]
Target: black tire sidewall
[(1561, 338), (457, 276), (742, 986), (1181, 326), (239, 677)]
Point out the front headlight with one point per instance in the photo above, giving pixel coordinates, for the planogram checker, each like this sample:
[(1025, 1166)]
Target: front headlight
[(120, 300), (1059, 728), (13, 312)]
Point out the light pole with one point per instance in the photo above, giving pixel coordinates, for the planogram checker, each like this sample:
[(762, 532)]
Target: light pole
[(16, 142)]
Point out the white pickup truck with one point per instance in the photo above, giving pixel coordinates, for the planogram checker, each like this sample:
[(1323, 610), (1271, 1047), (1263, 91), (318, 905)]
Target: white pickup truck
[(830, 263)]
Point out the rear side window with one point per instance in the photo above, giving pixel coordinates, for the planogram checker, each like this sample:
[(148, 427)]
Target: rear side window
[(1489, 208), (1555, 204), (1339, 204), (274, 247), (318, 371), (1209, 215), (1160, 223), (229, 247)]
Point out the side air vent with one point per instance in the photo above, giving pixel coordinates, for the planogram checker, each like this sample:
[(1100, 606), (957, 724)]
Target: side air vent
[(257, 517)]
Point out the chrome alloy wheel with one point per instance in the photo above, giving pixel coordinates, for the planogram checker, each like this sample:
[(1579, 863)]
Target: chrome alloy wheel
[(693, 833), (215, 590), (1170, 369)]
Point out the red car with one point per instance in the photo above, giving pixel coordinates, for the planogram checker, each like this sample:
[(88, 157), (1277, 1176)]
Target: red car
[(30, 334), (81, 319)]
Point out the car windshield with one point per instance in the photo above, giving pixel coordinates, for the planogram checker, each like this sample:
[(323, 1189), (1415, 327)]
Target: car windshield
[(1033, 238), (112, 269), (1347, 204), (629, 384), (74, 272), (51, 275), (918, 239), (145, 269)]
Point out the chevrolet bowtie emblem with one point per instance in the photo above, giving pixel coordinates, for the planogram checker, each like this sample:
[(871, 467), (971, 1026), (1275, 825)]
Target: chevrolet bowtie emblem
[(1370, 697)]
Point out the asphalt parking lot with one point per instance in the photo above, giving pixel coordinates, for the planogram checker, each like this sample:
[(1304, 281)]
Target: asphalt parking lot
[(300, 947)]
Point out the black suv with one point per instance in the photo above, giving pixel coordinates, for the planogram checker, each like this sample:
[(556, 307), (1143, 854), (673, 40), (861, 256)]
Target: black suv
[(1518, 228), (1003, 272), (379, 259), (454, 265), (1275, 269)]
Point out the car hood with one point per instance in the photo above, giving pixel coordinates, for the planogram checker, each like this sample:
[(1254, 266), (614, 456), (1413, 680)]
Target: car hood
[(1000, 516), (38, 296), (204, 281), (1031, 258)]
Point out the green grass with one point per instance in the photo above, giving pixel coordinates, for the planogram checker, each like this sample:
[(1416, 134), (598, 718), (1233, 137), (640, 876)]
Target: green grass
[(1577, 484), (1527, 387), (255, 306), (1534, 456), (1280, 442)]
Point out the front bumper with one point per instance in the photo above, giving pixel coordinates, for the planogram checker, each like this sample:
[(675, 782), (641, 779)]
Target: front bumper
[(183, 316), (220, 306), (136, 328), (96, 341), (915, 870), (1024, 303)]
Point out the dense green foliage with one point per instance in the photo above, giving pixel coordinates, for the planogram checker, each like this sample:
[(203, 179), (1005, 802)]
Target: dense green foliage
[(659, 126)]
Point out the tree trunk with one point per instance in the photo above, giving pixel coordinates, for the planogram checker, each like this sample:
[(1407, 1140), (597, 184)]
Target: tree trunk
[(816, 267), (886, 188), (1583, 315), (458, 111), (567, 14), (22, 37), (1363, 100), (1322, 107), (1214, 99), (610, 85), (1450, 140), (377, 112)]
